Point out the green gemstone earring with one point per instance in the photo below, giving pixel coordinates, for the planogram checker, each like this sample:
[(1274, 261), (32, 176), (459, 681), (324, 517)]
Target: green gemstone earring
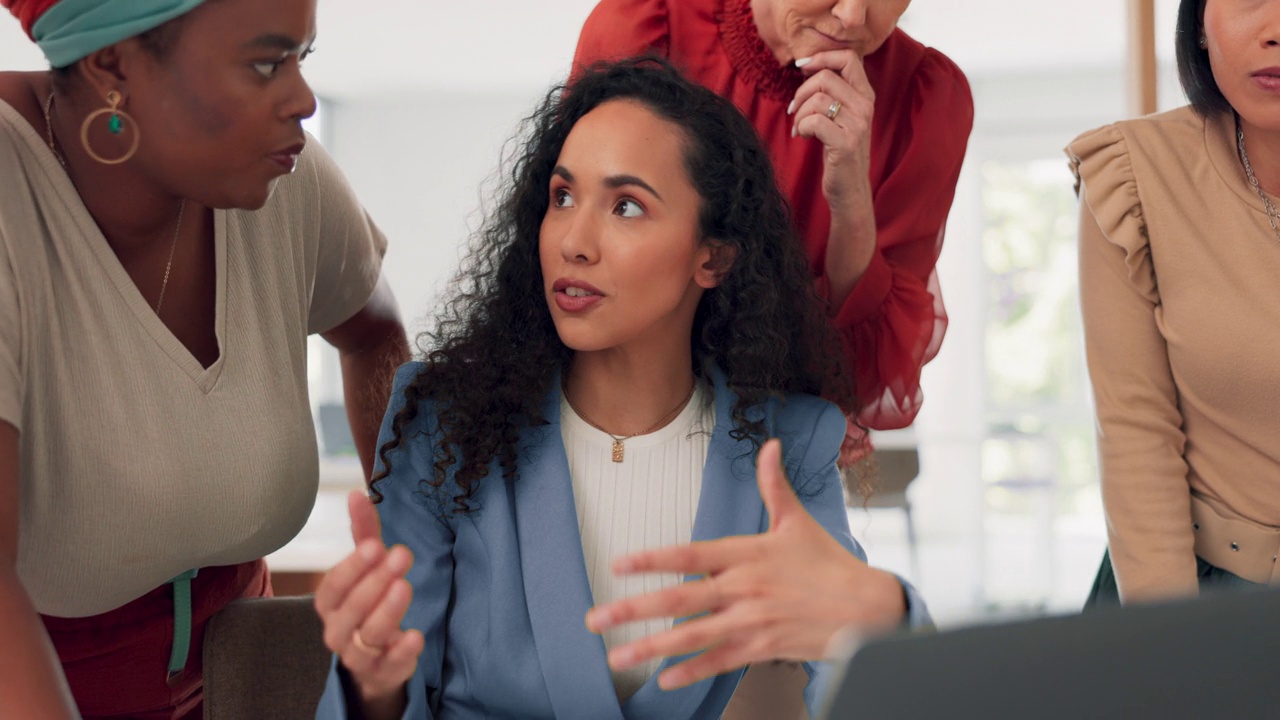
[(115, 125)]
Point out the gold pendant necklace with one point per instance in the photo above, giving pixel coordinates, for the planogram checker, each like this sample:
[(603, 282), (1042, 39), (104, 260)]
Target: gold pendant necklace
[(619, 451)]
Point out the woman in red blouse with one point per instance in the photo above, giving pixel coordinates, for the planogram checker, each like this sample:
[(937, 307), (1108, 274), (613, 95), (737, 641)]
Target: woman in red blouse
[(867, 131)]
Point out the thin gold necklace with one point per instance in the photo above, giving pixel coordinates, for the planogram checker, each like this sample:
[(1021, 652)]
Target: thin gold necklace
[(48, 126), (177, 226), (618, 449)]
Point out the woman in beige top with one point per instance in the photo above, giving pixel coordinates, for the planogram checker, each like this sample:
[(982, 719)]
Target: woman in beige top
[(1179, 264), (166, 247)]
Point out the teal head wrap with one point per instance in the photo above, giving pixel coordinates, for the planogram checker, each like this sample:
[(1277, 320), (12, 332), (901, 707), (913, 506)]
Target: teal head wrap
[(72, 29)]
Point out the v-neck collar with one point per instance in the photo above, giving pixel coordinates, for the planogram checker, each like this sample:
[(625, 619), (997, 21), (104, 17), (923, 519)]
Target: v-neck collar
[(557, 589), (204, 378)]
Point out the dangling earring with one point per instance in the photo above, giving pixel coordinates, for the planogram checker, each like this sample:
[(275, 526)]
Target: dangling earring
[(116, 125)]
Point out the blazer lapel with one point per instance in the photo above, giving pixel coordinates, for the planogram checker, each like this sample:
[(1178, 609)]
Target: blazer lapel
[(730, 504), (556, 589)]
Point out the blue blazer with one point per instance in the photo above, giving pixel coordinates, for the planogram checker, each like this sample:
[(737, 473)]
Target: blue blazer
[(501, 594)]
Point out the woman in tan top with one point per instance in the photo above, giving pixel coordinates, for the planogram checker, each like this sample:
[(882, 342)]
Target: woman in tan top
[(1179, 264), (166, 247)]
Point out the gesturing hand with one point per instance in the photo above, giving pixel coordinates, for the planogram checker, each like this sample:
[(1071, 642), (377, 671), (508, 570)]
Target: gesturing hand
[(780, 595), (362, 601)]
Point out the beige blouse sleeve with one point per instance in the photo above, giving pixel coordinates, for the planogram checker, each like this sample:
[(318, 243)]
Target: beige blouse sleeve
[(1140, 440), (344, 253), (12, 388)]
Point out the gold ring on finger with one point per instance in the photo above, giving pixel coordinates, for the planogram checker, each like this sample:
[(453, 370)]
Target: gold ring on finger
[(835, 108), (358, 640)]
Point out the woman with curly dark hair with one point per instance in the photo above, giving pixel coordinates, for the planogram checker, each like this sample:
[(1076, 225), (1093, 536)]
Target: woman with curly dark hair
[(635, 323)]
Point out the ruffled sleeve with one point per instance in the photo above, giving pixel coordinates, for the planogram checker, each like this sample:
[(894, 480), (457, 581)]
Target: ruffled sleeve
[(893, 321), (1140, 440), (619, 29), (1099, 160)]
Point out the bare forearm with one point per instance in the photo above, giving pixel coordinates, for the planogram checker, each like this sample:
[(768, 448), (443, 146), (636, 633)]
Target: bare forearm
[(850, 246), (31, 680), (366, 380)]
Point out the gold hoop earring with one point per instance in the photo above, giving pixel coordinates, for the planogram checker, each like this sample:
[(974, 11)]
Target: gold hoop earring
[(116, 125)]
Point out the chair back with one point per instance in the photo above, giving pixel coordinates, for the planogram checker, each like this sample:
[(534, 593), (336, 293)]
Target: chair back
[(896, 468), (265, 658)]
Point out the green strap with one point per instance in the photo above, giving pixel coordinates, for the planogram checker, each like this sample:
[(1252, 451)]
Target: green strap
[(181, 621)]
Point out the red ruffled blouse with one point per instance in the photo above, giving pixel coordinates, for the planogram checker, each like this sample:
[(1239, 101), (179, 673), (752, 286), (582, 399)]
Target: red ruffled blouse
[(893, 321)]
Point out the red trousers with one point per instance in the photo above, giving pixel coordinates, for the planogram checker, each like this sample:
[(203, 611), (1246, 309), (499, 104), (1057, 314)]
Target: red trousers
[(117, 663)]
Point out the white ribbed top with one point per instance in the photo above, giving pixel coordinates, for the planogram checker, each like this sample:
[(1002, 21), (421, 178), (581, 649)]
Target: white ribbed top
[(647, 501)]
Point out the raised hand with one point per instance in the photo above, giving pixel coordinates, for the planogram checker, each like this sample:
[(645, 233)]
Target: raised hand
[(780, 595), (362, 602)]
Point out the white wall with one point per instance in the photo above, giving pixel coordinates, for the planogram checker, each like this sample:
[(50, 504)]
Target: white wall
[(1016, 115), (418, 163)]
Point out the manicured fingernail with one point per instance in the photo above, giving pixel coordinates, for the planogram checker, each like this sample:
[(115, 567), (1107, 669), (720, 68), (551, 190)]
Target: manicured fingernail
[(792, 107), (599, 620), (670, 680), (398, 558), (622, 658), (793, 131), (803, 61)]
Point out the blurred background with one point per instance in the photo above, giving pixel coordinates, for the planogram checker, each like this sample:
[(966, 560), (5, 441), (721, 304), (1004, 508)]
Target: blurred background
[(419, 96)]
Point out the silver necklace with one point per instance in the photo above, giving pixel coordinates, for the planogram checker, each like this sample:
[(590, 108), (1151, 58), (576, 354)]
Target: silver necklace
[(1272, 213), (177, 226)]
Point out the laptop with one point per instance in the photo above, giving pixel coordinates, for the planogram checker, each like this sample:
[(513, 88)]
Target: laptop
[(1216, 657)]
